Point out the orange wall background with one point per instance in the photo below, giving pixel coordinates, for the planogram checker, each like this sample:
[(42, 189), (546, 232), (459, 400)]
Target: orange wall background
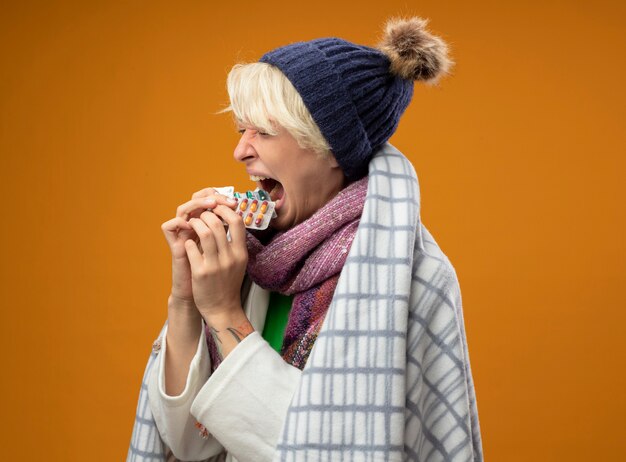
[(107, 124)]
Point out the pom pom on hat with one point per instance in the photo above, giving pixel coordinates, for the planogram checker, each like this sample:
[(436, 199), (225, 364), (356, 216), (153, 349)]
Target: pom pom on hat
[(414, 53)]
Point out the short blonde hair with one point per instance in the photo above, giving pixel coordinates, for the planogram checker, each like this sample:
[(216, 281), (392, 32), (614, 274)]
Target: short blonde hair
[(261, 95)]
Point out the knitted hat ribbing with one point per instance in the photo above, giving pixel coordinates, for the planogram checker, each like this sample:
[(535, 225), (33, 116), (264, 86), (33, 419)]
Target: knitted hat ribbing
[(356, 94)]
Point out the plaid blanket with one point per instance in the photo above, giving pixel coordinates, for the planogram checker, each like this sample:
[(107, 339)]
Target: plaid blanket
[(389, 376)]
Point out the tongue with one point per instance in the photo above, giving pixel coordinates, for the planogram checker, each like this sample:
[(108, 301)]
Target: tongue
[(277, 192)]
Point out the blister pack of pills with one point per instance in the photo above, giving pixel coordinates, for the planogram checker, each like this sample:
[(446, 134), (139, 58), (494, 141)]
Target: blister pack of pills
[(254, 207)]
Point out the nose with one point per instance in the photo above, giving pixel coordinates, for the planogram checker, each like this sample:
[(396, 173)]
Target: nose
[(244, 150)]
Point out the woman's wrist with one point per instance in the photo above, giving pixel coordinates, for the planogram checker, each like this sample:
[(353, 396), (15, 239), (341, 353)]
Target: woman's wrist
[(184, 322), (228, 328), (182, 304), (224, 318), (184, 330)]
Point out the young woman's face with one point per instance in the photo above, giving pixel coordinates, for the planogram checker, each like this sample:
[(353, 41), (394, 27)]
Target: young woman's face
[(299, 180)]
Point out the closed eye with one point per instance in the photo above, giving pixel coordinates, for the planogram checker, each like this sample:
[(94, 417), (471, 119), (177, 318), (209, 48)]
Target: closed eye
[(243, 130)]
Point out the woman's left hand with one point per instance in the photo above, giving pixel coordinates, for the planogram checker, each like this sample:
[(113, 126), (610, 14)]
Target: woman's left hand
[(217, 271)]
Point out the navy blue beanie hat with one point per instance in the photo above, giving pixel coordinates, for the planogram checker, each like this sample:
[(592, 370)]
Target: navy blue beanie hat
[(356, 94)]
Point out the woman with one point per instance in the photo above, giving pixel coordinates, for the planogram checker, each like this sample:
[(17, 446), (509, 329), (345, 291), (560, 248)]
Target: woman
[(371, 361)]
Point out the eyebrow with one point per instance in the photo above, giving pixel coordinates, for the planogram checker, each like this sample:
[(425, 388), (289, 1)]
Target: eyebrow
[(240, 124)]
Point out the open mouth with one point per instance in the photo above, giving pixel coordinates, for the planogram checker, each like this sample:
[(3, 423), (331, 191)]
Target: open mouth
[(272, 186)]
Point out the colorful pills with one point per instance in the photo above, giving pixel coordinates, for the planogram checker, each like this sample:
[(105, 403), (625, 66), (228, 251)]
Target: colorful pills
[(255, 208), (255, 211)]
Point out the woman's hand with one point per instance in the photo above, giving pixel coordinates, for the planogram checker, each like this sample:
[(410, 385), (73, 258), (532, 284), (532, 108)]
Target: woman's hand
[(178, 230), (218, 265)]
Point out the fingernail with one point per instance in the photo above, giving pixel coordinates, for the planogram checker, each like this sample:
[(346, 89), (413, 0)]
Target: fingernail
[(210, 201), (232, 200)]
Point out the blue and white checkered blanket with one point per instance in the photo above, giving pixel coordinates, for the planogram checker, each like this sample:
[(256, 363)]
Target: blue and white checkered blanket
[(389, 376)]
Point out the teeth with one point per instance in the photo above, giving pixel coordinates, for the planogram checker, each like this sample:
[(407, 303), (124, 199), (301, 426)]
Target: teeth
[(258, 178)]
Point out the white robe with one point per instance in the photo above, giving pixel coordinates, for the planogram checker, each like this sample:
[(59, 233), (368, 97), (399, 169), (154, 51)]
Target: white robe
[(388, 377)]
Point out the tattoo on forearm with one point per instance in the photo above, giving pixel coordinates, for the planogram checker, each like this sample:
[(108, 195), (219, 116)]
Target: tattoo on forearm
[(238, 333), (218, 342)]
